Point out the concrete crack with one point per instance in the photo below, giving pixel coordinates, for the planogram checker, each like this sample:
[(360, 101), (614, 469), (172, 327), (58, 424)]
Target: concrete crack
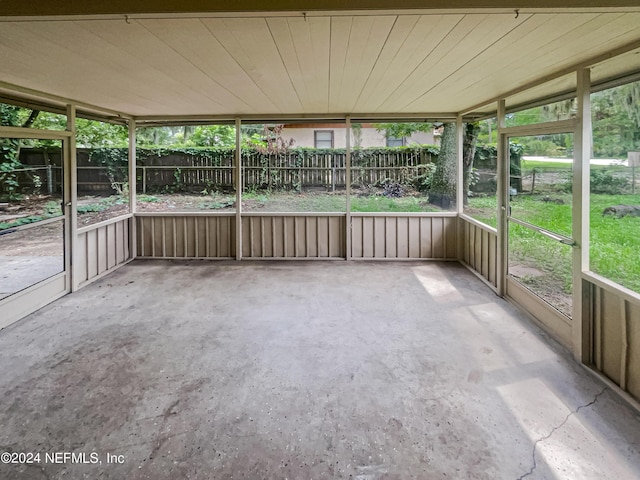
[(553, 430)]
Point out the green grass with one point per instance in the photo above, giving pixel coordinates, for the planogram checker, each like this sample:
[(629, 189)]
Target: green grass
[(558, 165), (383, 204), (483, 209), (333, 202), (531, 164), (615, 242)]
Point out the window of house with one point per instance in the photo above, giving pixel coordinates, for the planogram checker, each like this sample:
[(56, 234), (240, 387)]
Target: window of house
[(323, 138), (395, 141)]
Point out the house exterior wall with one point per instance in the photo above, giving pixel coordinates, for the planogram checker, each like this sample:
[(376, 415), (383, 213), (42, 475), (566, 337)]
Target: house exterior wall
[(303, 136)]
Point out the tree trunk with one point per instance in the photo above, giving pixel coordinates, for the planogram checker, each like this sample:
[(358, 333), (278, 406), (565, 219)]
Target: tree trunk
[(471, 131), (443, 184)]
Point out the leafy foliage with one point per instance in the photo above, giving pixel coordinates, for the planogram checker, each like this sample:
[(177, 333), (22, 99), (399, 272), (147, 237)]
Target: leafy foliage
[(52, 209), (602, 181), (10, 151), (92, 134), (212, 136), (399, 130)]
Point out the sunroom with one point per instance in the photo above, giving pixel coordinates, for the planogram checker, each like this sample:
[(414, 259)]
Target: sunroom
[(535, 75)]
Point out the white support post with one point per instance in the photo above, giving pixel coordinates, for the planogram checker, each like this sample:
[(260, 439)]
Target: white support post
[(133, 183), (348, 190), (580, 219), (502, 195), (460, 183), (239, 183), (460, 153), (70, 199)]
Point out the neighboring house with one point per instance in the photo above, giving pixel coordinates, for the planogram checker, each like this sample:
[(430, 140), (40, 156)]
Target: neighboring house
[(332, 135)]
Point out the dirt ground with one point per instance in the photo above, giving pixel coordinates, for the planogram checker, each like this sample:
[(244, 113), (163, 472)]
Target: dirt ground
[(47, 240), (543, 285)]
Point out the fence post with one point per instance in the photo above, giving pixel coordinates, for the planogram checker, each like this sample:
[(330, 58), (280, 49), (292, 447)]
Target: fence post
[(49, 179), (333, 173)]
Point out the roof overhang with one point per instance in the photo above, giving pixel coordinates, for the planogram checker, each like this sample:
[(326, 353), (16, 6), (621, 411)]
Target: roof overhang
[(198, 61), (39, 8)]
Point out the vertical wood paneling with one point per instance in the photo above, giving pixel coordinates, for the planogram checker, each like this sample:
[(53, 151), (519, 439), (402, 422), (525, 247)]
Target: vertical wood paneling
[(477, 248), (451, 237), (391, 234), (338, 243), (413, 232), (615, 348), (611, 335), (426, 238), (633, 358), (125, 239), (356, 237), (174, 236), (493, 256), (379, 237), (111, 245), (101, 248), (480, 250), (437, 238), (202, 236), (80, 269), (300, 236), (293, 236), (368, 237), (322, 237), (92, 253), (403, 237), (119, 243), (278, 235)]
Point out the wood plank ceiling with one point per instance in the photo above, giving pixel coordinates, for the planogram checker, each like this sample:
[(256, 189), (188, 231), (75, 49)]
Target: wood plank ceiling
[(306, 65)]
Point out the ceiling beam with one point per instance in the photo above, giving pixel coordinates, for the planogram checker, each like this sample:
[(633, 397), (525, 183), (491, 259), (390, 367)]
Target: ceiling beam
[(31, 8), (173, 120)]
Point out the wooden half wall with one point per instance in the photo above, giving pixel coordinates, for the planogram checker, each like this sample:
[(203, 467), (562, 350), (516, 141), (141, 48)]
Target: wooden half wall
[(186, 235), (102, 248), (613, 316), (400, 236), (479, 249), (298, 236)]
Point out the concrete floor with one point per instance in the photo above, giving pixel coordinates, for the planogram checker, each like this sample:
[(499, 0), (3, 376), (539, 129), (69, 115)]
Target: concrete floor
[(311, 370), (20, 272)]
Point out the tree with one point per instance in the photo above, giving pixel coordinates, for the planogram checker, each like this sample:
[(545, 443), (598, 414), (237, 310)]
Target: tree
[(471, 132), (445, 178), (12, 116), (400, 130), (93, 134), (616, 120), (213, 136)]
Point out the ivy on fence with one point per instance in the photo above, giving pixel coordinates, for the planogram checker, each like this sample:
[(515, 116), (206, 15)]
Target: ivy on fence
[(201, 169)]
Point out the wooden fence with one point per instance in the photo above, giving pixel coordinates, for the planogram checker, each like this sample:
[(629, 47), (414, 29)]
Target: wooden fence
[(214, 169)]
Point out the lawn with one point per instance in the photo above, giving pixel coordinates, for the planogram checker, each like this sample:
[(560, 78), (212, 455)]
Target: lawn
[(615, 242), (263, 201)]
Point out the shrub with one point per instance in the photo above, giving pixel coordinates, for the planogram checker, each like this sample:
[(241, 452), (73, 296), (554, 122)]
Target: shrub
[(602, 181)]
